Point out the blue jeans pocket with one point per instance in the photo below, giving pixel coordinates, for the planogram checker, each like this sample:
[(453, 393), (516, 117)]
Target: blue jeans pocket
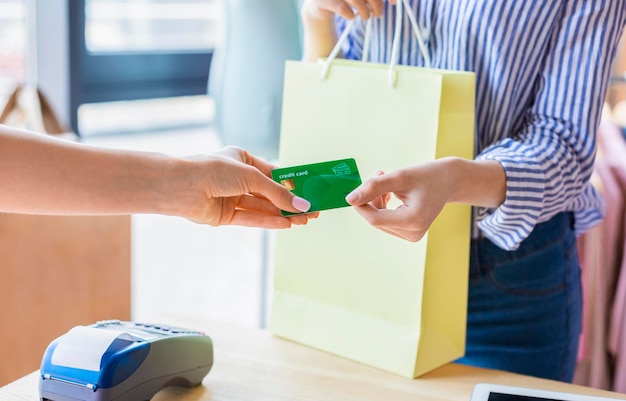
[(538, 274)]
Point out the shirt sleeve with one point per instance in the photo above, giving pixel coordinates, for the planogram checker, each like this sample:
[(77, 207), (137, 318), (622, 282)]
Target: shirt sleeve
[(549, 161)]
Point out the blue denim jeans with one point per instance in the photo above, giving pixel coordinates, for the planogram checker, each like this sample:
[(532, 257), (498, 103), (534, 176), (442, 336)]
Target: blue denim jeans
[(525, 306)]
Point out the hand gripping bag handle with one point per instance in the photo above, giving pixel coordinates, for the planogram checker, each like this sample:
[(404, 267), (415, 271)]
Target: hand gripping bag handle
[(395, 47)]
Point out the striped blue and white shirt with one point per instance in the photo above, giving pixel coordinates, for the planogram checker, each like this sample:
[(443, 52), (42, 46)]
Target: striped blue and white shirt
[(542, 69)]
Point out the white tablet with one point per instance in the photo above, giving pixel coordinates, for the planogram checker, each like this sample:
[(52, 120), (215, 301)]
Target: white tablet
[(497, 392)]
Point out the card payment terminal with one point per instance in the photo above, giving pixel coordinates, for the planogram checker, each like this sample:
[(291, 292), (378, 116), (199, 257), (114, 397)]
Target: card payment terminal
[(122, 361)]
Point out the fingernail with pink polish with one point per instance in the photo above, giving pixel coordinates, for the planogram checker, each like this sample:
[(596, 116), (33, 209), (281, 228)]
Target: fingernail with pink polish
[(301, 204)]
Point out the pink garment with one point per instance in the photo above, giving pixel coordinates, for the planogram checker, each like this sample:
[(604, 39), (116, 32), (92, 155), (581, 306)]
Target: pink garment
[(614, 140), (601, 255), (599, 266), (617, 332)]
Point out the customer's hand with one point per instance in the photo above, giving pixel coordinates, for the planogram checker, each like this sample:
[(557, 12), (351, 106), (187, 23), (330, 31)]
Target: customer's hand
[(53, 176), (235, 189)]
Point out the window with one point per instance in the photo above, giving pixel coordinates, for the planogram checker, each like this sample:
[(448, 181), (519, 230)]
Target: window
[(150, 26), (12, 46), (148, 49)]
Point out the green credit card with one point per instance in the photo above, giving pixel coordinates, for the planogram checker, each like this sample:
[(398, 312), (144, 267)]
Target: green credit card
[(325, 184)]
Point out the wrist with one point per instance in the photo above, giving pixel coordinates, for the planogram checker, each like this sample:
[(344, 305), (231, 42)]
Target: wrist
[(319, 32), (171, 187), (476, 182)]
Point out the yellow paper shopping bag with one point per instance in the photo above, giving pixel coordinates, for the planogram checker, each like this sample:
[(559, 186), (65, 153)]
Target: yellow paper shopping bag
[(341, 285)]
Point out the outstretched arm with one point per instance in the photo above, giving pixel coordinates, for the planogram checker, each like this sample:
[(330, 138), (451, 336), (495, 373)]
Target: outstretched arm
[(45, 175)]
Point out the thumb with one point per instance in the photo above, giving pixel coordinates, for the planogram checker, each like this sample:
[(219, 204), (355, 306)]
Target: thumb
[(280, 196), (371, 189)]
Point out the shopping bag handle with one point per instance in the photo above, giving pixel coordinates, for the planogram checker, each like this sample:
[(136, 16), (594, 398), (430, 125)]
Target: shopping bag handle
[(395, 46)]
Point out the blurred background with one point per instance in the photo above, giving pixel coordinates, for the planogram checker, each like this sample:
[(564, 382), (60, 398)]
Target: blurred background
[(102, 51)]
